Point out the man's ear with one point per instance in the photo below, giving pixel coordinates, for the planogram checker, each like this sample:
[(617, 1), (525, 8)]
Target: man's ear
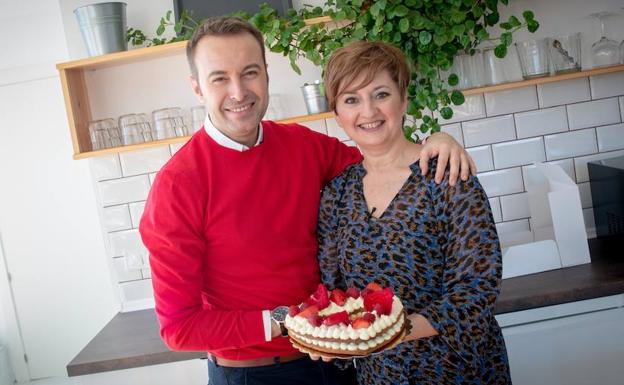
[(196, 89)]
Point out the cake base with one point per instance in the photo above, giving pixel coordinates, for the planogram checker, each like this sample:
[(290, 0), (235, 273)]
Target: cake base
[(311, 349)]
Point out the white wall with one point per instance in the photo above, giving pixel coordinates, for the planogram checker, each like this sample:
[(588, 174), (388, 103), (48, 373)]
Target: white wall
[(50, 230)]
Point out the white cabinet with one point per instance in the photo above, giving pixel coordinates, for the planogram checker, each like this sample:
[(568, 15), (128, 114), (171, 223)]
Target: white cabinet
[(584, 346)]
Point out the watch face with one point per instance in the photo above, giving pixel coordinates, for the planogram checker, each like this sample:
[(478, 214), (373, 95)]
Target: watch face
[(279, 313)]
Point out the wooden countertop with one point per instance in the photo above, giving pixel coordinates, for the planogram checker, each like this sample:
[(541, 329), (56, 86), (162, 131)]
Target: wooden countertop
[(131, 339)]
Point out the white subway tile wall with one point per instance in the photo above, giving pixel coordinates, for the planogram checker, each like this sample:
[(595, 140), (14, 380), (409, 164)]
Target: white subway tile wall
[(566, 92), (317, 125), (136, 290), (175, 147), (106, 167), (541, 122), (491, 130), (136, 210), (127, 243), (482, 157), (502, 182), (455, 131), (594, 113), (116, 218), (606, 86), (506, 102), (496, 209), (123, 274), (144, 161), (333, 129), (567, 123), (566, 145), (124, 190), (519, 152), (610, 137)]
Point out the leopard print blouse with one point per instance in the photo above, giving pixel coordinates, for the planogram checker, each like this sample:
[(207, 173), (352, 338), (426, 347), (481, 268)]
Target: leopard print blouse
[(437, 247)]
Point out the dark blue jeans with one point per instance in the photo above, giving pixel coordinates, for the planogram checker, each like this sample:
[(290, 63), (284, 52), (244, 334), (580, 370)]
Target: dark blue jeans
[(299, 372)]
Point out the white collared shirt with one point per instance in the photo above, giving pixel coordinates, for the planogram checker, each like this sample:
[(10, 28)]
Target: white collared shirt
[(227, 142), (224, 140)]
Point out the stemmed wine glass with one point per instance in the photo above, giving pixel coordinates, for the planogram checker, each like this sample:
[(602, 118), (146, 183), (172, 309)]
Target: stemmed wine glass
[(605, 51)]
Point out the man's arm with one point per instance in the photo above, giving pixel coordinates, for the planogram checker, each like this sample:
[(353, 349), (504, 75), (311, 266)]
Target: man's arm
[(172, 230)]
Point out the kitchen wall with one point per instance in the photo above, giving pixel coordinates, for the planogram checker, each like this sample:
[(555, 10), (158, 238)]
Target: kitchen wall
[(67, 225)]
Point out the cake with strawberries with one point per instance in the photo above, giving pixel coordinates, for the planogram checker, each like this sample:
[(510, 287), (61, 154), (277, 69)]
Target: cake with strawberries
[(346, 323)]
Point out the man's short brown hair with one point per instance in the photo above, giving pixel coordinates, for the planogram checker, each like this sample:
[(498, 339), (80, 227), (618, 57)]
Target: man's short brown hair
[(368, 58), (221, 26)]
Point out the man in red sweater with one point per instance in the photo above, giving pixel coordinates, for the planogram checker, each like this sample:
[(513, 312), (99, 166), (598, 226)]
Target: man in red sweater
[(230, 222)]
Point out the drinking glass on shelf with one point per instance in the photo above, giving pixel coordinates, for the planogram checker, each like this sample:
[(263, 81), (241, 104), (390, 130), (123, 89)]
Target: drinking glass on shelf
[(473, 69), (565, 53), (500, 70), (169, 123), (198, 116), (274, 111), (469, 69), (604, 52), (455, 69), (135, 128), (100, 132), (534, 58)]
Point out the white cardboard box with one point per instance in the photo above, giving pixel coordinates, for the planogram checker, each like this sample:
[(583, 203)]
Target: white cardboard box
[(557, 228)]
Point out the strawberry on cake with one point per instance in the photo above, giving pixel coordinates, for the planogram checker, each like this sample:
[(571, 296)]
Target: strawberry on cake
[(348, 323)]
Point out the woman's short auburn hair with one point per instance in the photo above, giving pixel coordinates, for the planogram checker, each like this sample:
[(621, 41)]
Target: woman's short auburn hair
[(367, 58)]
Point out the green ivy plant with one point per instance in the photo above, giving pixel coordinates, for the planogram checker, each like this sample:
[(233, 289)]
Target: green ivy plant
[(430, 32), (183, 28)]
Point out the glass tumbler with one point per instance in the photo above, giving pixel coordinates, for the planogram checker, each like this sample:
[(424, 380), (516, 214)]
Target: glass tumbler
[(169, 123), (198, 116), (500, 70), (456, 69), (565, 53), (534, 58), (135, 128), (100, 132), (473, 69)]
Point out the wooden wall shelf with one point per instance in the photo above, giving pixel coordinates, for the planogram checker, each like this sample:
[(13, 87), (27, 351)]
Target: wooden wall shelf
[(544, 80), (76, 92), (182, 139)]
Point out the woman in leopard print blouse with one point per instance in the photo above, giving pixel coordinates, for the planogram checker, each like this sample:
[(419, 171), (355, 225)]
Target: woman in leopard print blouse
[(384, 220)]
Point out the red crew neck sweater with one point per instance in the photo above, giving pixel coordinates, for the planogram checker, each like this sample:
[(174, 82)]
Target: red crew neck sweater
[(233, 233)]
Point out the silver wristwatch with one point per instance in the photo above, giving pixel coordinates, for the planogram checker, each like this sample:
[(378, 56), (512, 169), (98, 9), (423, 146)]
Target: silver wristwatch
[(279, 315)]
